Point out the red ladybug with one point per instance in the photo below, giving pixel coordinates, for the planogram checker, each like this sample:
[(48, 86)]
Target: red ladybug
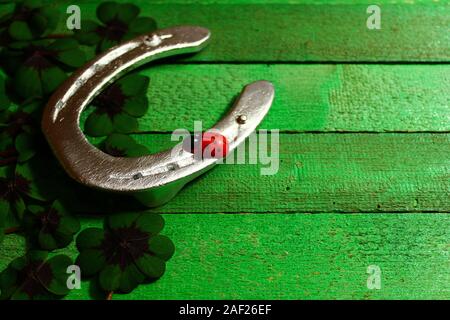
[(213, 145)]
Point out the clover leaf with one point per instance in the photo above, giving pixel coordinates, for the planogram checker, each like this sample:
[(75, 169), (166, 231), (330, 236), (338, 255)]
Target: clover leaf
[(120, 23), (29, 20), (25, 145), (127, 252), (2, 226), (118, 107), (38, 67), (13, 187), (5, 102), (121, 145), (8, 152), (23, 119), (52, 227), (33, 276), (16, 185), (18, 138)]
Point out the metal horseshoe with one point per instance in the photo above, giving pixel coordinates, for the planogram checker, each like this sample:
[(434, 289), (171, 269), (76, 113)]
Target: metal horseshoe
[(156, 178)]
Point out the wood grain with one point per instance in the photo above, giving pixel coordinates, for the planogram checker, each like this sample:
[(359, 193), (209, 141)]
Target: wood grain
[(296, 256), (327, 98), (305, 32)]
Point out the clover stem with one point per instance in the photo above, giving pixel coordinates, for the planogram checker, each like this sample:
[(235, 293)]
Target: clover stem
[(57, 36), (4, 162), (8, 152), (109, 295), (11, 230)]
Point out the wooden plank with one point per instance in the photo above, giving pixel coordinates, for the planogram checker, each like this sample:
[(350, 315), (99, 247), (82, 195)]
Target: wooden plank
[(325, 98), (326, 173), (295, 256), (305, 32)]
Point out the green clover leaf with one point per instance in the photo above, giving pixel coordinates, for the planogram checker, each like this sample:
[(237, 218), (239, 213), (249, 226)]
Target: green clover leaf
[(33, 276), (8, 153), (25, 145), (4, 99), (127, 252), (52, 227), (120, 22), (2, 226), (118, 107)]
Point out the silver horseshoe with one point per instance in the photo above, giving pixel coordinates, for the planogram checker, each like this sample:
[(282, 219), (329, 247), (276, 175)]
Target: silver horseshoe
[(156, 178)]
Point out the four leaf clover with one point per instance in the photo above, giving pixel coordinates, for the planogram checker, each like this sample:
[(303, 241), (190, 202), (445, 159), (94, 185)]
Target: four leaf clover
[(118, 107), (15, 185), (127, 252), (35, 277), (120, 23), (53, 227), (29, 20), (39, 67), (18, 139)]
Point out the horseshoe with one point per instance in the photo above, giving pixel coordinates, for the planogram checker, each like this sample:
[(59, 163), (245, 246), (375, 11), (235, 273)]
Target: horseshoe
[(156, 178)]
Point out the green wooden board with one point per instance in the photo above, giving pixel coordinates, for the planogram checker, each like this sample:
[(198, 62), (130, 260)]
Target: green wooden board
[(327, 98), (306, 32), (296, 256)]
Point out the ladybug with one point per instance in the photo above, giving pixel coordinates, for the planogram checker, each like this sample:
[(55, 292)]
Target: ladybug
[(207, 145)]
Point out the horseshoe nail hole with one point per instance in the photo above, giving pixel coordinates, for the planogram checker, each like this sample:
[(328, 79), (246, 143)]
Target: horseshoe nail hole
[(288, 188), (172, 166), (137, 176), (378, 206), (60, 105), (152, 41)]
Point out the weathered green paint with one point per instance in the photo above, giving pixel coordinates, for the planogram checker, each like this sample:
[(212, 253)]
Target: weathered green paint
[(299, 32), (327, 98), (297, 256)]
